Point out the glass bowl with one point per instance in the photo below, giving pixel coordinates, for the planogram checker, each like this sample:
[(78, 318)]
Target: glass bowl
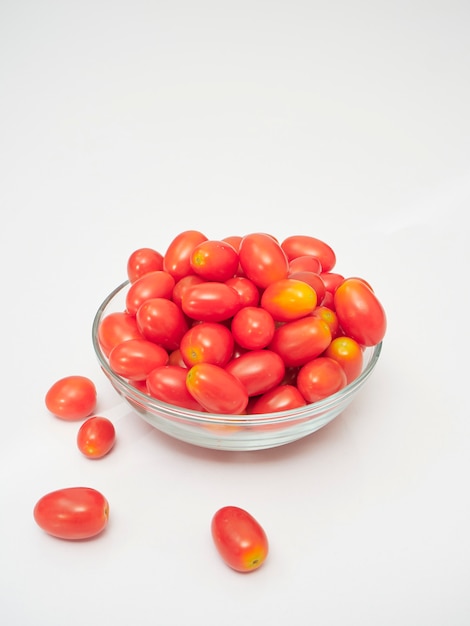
[(227, 432)]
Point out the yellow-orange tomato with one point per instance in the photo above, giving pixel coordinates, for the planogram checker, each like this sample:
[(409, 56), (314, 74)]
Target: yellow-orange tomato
[(328, 315), (239, 538), (288, 299), (348, 353), (216, 389)]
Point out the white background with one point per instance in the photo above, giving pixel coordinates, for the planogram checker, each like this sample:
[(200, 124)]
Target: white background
[(123, 123)]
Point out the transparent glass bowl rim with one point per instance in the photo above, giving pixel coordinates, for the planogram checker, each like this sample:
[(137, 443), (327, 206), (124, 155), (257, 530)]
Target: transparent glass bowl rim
[(203, 418)]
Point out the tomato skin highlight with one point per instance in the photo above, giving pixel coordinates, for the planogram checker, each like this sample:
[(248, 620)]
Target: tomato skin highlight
[(216, 390), (262, 259), (239, 539), (305, 245), (71, 398), (72, 513), (360, 313), (96, 437)]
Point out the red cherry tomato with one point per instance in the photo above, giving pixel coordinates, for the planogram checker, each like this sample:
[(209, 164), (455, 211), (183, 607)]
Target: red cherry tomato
[(280, 398), (320, 378), (239, 538), (210, 302), (175, 358), (328, 300), (157, 284), (207, 342), (216, 390), (161, 321), (349, 355), (331, 280), (329, 316), (305, 245), (96, 437), (115, 328), (176, 260), (71, 398), (142, 261), (253, 327), (262, 259), (360, 313), (72, 513), (246, 289), (305, 264), (234, 241), (288, 299), (258, 370), (136, 358), (183, 284), (167, 383), (214, 260), (300, 341)]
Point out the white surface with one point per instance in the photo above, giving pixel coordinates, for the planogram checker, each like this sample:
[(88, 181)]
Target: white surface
[(122, 123)]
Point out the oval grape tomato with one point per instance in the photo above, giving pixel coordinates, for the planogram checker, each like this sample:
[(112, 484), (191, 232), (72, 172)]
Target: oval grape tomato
[(96, 437), (239, 538), (71, 398), (72, 513), (217, 390)]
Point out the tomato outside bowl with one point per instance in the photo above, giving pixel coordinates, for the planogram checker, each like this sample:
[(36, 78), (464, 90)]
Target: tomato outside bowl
[(221, 431)]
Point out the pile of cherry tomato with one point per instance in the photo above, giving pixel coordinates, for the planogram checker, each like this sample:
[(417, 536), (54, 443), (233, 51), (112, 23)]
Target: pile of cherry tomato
[(241, 325)]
